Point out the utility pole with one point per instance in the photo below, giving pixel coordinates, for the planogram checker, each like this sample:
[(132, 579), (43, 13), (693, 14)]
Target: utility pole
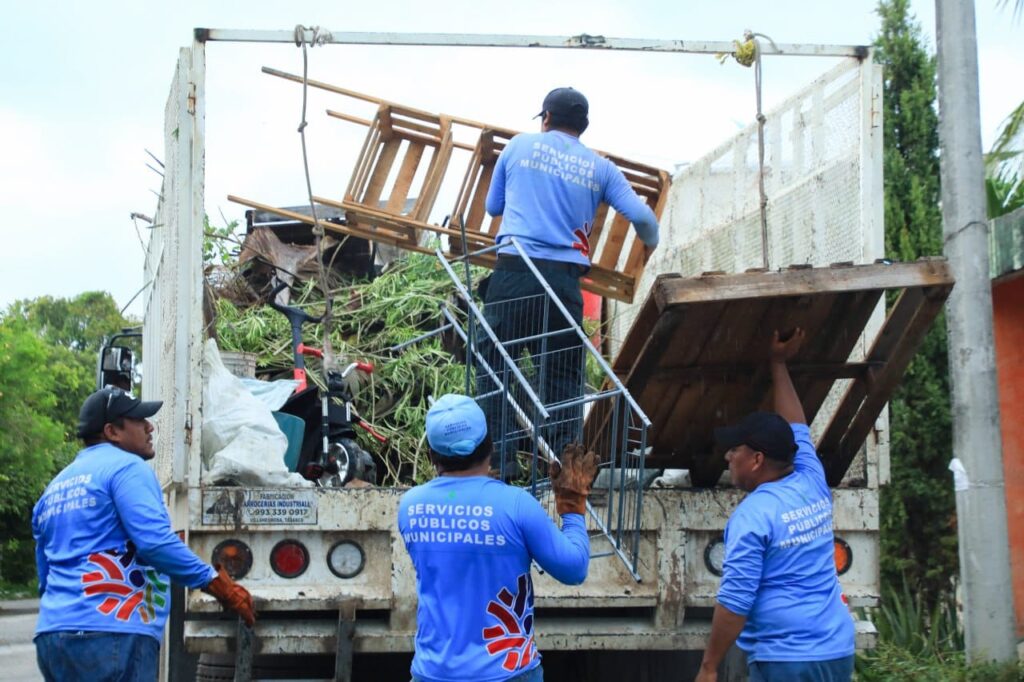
[(980, 494)]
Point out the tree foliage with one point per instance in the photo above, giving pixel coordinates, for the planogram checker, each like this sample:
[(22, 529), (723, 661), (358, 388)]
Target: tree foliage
[(48, 353), (917, 507)]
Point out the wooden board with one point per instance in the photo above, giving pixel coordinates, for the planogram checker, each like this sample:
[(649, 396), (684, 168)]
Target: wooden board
[(696, 355)]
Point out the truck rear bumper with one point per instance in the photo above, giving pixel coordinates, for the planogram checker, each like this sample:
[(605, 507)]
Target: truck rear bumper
[(309, 636)]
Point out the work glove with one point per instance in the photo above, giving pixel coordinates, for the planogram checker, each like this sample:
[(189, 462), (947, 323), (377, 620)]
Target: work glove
[(571, 480), (231, 595)]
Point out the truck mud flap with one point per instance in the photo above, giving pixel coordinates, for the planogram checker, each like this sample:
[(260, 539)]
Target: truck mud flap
[(343, 649), (245, 644)]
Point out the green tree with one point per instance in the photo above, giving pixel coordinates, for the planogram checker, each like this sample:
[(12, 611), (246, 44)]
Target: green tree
[(30, 440), (48, 354), (917, 507)]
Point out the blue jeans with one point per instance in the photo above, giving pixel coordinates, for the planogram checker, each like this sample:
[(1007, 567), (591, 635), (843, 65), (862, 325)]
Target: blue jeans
[(535, 675), (526, 321), (835, 670), (97, 657)]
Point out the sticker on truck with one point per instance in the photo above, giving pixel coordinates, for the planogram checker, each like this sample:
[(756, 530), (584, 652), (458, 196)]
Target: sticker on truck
[(259, 507)]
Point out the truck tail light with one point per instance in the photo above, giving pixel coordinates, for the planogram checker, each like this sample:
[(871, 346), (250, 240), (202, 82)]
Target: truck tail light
[(843, 555), (234, 556), (289, 558), (714, 555), (346, 559)]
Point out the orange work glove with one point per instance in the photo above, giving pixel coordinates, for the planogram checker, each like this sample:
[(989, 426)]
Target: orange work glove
[(231, 595), (571, 481)]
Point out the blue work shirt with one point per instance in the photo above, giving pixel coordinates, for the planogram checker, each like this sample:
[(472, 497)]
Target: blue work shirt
[(547, 187), (779, 568), (105, 549), (471, 540)]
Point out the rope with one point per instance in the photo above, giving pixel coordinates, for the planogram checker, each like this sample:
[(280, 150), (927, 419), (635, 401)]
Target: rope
[(318, 38), (751, 38), (748, 53)]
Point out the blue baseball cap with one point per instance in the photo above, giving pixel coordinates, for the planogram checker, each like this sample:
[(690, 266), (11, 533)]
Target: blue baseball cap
[(455, 425)]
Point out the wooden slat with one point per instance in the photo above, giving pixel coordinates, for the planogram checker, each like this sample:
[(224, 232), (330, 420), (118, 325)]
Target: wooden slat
[(478, 204), (331, 227), (611, 248), (691, 371), (480, 239), (600, 218), (802, 282), (381, 169), (406, 173), (885, 381), (846, 321)]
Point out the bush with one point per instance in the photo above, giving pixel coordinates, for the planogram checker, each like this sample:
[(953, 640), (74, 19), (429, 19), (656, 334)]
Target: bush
[(921, 642)]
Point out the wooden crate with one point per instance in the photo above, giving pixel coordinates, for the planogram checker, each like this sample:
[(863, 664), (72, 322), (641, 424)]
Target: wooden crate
[(614, 272), (696, 355), (381, 186)]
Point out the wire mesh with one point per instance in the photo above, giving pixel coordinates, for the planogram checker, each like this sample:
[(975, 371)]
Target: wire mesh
[(528, 361)]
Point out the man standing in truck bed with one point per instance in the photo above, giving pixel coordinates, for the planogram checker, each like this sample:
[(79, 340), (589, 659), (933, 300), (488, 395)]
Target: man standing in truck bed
[(546, 187), (779, 594), (472, 540)]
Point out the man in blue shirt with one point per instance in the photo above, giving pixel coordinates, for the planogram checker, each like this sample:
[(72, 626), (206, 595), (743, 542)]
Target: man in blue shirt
[(472, 540), (780, 598), (546, 187), (105, 552)]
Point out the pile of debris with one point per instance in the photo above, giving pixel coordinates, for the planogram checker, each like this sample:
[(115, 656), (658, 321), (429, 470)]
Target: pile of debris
[(379, 301)]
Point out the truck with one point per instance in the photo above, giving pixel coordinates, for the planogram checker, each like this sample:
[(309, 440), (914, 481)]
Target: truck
[(780, 225)]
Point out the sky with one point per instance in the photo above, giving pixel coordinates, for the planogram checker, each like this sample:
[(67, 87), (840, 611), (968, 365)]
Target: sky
[(85, 86)]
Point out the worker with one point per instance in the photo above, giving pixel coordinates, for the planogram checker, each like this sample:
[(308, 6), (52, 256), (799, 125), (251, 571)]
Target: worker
[(105, 552), (780, 598), (546, 187), (472, 539)]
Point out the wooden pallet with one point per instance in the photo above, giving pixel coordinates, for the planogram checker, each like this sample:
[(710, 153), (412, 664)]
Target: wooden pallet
[(396, 144), (696, 355), (399, 136)]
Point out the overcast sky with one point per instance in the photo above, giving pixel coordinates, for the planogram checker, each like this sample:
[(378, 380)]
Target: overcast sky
[(85, 85)]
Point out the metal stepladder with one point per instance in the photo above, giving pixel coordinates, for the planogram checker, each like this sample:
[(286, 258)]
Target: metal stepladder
[(530, 378)]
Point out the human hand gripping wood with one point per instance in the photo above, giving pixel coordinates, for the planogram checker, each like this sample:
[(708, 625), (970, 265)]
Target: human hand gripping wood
[(783, 351), (571, 480), (785, 400)]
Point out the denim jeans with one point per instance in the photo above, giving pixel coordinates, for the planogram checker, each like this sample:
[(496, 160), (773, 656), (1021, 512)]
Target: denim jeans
[(535, 675), (97, 657), (516, 309), (835, 670)]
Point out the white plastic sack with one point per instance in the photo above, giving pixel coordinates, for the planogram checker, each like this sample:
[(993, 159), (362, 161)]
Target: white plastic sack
[(242, 443), (273, 394)]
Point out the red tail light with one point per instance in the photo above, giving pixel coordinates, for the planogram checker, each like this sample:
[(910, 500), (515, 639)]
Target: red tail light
[(289, 558)]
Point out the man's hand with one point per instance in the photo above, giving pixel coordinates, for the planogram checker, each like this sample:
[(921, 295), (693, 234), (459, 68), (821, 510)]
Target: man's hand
[(707, 675), (783, 351), (571, 481), (231, 595)]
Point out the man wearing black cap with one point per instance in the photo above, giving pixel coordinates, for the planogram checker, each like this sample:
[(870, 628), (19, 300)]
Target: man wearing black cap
[(779, 598), (105, 552), (546, 187)]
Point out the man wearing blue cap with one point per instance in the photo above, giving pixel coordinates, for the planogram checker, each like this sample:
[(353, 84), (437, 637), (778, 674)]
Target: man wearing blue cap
[(105, 552), (547, 186), (472, 539), (780, 599)]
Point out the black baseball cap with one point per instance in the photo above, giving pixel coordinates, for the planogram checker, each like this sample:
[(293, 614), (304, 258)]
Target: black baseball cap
[(568, 103), (110, 403), (764, 431)]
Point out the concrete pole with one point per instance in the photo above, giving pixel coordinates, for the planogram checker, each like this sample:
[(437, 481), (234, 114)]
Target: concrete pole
[(980, 496)]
